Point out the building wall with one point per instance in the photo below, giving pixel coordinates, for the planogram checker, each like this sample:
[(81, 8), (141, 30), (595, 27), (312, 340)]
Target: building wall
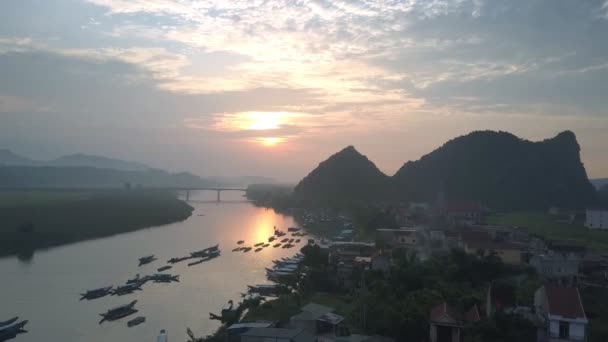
[(576, 330), (597, 219)]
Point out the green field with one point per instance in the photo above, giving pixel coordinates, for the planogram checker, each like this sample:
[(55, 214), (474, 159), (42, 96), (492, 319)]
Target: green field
[(33, 220), (543, 225)]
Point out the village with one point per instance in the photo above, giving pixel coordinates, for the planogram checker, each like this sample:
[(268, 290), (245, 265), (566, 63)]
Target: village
[(438, 273)]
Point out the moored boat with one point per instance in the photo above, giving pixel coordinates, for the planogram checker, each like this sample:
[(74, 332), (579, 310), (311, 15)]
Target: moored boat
[(276, 245), (247, 249), (176, 260), (240, 242), (164, 268), (265, 245), (164, 278), (146, 260), (119, 312), (11, 330), (136, 321), (270, 239), (258, 249), (293, 229), (258, 244), (95, 293), (126, 289), (9, 321)]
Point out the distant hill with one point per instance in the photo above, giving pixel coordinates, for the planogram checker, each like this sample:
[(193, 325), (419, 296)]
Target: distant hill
[(98, 162), (9, 158), (495, 168), (502, 171), (599, 182), (51, 176), (346, 176)]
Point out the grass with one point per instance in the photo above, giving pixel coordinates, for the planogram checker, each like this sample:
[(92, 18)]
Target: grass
[(545, 226), (55, 218)]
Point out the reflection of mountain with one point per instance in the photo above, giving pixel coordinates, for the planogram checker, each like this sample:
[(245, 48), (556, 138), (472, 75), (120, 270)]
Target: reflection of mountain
[(48, 176), (495, 168)]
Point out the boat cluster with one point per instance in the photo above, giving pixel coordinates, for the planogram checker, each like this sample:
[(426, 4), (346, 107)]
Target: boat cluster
[(284, 268), (136, 283), (284, 243), (11, 328)]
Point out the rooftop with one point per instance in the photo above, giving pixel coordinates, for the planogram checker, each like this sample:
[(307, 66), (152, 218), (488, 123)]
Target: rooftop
[(296, 335), (564, 301)]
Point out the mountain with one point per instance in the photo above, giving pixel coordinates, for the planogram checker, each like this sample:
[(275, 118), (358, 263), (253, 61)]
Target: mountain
[(98, 162), (497, 169), (8, 157), (51, 176), (599, 182), (345, 176)]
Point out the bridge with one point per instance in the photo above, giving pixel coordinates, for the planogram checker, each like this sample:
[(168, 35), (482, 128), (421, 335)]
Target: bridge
[(218, 190), (168, 188)]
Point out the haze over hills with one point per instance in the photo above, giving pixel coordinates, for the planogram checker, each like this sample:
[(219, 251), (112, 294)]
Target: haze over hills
[(495, 168), (8, 157)]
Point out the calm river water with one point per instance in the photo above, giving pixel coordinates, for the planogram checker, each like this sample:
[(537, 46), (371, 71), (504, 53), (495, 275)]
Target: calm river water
[(45, 290)]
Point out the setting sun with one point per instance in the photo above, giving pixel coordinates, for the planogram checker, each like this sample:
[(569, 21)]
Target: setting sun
[(270, 141)]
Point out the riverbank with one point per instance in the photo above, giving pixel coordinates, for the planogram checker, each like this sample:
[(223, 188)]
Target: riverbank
[(37, 220)]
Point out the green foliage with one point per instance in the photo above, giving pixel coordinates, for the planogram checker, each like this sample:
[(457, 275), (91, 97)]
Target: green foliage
[(502, 327), (541, 224), (83, 216)]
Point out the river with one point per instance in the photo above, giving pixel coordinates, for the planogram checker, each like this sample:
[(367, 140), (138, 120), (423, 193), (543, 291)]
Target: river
[(45, 290)]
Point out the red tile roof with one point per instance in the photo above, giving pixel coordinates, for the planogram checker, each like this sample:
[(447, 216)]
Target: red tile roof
[(564, 301)]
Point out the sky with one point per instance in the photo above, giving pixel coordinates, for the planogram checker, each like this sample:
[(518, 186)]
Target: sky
[(233, 88)]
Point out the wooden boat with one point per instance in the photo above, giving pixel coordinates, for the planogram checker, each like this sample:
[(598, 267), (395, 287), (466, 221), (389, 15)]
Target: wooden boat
[(126, 289), (284, 240), (164, 278), (164, 268), (9, 321), (196, 262), (291, 240), (119, 312), (176, 260), (293, 229), (266, 245), (298, 241), (247, 249), (146, 260), (270, 239), (276, 245), (237, 249), (258, 244), (90, 294), (258, 249), (11, 330), (136, 321), (240, 242)]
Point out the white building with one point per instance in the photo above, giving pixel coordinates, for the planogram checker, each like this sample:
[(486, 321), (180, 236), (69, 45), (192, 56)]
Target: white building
[(597, 219), (562, 312)]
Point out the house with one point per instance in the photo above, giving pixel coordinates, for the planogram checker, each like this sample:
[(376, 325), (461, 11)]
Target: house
[(560, 268), (597, 218), (463, 212), (317, 320), (401, 237), (509, 253), (562, 314), (377, 262), (447, 325), (276, 335)]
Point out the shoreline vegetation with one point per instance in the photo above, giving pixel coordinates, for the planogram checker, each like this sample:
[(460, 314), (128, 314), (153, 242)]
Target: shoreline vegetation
[(40, 220)]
